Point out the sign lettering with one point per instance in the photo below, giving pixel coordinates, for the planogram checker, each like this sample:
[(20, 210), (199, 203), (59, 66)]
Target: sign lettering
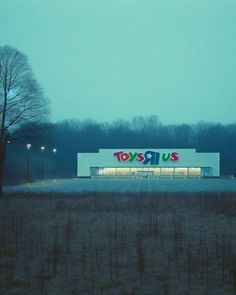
[(147, 158)]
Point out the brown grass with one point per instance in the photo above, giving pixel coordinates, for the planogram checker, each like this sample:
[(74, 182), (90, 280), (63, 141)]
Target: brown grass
[(103, 243)]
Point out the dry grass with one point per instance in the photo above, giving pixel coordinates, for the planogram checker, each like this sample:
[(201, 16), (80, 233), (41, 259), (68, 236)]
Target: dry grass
[(126, 244)]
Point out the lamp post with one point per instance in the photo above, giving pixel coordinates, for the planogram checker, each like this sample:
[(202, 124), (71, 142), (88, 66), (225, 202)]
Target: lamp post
[(54, 163), (28, 146), (42, 162)]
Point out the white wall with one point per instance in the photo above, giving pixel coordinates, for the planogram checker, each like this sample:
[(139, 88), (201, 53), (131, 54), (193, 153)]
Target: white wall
[(187, 158)]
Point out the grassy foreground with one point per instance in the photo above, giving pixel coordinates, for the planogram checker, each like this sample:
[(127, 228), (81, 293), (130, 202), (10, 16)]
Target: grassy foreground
[(124, 244)]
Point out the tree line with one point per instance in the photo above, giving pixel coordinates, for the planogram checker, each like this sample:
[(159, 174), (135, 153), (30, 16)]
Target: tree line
[(24, 119), (72, 136)]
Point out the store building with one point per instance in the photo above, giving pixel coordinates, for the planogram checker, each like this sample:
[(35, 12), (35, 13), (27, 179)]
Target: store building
[(148, 163)]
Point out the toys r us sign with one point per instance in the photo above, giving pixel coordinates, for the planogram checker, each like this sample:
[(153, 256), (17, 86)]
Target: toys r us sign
[(149, 157)]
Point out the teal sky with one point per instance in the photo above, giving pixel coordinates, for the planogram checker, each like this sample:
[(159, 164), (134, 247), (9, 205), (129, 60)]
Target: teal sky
[(109, 59)]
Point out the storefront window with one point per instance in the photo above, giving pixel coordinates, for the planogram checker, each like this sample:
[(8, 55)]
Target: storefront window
[(107, 171), (194, 171), (122, 171), (156, 171), (167, 171), (150, 171), (181, 171)]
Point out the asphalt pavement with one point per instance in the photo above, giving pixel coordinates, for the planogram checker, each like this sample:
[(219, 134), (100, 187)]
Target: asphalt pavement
[(128, 185)]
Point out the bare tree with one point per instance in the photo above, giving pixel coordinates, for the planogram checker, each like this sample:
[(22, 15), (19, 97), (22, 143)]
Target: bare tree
[(21, 98)]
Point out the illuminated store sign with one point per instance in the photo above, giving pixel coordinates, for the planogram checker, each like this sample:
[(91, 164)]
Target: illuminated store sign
[(149, 157)]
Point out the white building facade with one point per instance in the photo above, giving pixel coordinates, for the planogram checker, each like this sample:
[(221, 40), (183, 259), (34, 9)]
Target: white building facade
[(148, 163)]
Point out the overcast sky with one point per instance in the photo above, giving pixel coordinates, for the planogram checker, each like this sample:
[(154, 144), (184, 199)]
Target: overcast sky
[(109, 59)]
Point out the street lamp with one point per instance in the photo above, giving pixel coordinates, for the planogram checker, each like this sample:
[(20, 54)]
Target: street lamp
[(28, 146), (54, 163), (42, 162)]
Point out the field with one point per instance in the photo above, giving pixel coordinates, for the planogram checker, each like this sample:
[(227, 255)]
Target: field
[(128, 185), (118, 243)]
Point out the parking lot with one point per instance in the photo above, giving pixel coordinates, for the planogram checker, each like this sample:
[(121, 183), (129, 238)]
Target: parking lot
[(127, 185)]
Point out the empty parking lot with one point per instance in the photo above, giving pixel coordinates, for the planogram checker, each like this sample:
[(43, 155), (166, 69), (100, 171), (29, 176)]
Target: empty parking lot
[(127, 185)]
